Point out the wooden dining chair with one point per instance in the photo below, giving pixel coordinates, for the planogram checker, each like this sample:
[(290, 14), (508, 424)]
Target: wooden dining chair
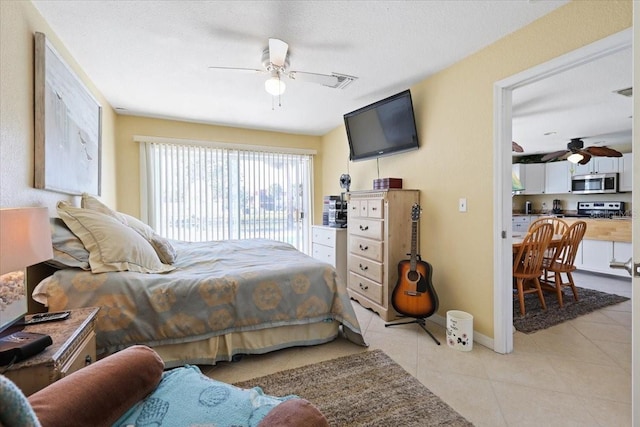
[(559, 225), (564, 261), (527, 263)]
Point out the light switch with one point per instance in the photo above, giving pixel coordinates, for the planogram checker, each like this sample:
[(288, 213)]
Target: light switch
[(462, 205)]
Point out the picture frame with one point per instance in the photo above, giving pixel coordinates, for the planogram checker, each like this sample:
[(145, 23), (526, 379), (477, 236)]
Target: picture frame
[(68, 126)]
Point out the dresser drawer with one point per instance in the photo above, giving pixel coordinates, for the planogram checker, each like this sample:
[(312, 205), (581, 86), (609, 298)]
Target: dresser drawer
[(83, 356), (324, 253), (374, 208), (354, 208), (366, 267), (372, 249), (366, 228), (324, 236), (366, 287)]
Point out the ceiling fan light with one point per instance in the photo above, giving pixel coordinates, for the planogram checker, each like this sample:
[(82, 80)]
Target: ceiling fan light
[(575, 157), (274, 86)]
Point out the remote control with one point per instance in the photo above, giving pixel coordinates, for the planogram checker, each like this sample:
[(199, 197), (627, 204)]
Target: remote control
[(47, 317)]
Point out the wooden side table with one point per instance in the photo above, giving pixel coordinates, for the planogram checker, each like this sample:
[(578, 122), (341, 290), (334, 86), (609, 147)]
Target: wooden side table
[(74, 346)]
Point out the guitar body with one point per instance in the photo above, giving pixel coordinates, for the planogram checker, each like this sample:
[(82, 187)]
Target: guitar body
[(414, 295)]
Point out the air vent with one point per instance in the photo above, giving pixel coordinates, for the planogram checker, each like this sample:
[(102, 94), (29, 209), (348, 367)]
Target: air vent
[(628, 92)]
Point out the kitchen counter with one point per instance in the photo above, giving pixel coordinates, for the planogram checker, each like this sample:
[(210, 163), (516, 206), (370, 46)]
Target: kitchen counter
[(612, 230)]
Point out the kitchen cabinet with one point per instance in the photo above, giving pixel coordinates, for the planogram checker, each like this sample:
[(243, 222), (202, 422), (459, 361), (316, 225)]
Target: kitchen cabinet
[(558, 177), (520, 223), (598, 165), (595, 256), (531, 176), (625, 182), (379, 237)]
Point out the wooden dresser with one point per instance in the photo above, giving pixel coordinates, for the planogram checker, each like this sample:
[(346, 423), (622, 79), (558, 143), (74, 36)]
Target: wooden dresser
[(379, 237)]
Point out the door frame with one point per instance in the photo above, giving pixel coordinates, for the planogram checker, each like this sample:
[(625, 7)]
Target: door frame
[(502, 136)]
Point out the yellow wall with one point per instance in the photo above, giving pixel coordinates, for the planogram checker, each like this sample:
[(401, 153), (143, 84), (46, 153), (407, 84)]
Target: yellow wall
[(454, 112), (19, 20), (128, 159)]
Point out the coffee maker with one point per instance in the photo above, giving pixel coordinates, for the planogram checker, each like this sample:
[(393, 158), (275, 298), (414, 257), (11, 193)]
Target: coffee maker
[(557, 206)]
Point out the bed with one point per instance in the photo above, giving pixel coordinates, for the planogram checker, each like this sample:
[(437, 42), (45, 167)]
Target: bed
[(212, 302)]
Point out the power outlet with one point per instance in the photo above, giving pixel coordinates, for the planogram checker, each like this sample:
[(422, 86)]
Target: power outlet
[(462, 205)]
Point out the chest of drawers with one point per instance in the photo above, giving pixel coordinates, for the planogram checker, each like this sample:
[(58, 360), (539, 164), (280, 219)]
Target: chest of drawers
[(379, 237), (329, 244)]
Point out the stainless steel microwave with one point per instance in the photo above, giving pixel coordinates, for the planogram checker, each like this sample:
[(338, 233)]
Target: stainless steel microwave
[(595, 184)]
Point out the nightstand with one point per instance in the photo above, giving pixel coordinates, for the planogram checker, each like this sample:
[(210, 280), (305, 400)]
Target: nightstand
[(74, 346)]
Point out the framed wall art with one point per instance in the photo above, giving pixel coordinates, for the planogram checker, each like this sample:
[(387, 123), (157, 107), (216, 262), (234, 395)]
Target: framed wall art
[(68, 122)]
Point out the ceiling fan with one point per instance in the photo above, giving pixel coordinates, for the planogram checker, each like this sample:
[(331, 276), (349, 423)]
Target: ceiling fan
[(275, 63), (579, 154)]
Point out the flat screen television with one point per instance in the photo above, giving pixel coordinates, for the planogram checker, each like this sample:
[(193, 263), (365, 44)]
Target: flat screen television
[(383, 128)]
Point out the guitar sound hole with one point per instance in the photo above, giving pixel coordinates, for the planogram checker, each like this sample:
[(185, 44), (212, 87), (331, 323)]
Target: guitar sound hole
[(413, 276)]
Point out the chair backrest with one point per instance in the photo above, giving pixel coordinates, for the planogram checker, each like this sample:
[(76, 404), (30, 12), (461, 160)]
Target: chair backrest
[(528, 260), (568, 247), (559, 225)]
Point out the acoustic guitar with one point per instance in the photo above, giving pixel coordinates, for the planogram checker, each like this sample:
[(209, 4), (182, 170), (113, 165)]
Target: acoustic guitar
[(414, 295)]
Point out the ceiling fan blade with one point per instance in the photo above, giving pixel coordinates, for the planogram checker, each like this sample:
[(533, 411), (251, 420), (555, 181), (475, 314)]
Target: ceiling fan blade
[(603, 152), (585, 157), (252, 70), (323, 79), (516, 147), (554, 155), (278, 52), (333, 80)]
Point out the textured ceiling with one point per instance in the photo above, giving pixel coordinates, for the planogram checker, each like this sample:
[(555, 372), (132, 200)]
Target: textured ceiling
[(151, 58)]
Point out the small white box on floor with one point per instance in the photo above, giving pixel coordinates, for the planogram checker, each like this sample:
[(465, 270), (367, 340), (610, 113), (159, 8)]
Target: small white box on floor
[(459, 330)]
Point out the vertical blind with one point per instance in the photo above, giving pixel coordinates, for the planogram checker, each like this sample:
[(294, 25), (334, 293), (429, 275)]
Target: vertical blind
[(195, 192)]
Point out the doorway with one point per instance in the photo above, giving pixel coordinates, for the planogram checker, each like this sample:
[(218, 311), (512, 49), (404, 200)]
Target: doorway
[(503, 315)]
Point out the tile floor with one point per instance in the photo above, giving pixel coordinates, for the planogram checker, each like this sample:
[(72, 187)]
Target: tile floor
[(574, 374)]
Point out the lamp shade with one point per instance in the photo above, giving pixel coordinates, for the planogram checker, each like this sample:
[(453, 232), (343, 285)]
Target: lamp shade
[(575, 157), (274, 86), (25, 238)]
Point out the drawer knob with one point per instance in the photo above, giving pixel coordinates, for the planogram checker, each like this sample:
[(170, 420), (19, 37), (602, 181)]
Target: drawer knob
[(363, 287), (88, 360), (363, 267), (364, 227), (364, 248)]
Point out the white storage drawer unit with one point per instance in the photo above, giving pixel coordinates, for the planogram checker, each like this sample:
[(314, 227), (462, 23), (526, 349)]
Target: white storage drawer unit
[(329, 244)]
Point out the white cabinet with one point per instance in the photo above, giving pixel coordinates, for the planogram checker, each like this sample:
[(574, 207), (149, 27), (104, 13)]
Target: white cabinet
[(595, 256), (379, 237), (531, 176), (625, 182), (520, 223), (558, 177), (329, 244), (598, 165)]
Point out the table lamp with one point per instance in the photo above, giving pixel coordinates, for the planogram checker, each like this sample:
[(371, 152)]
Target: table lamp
[(25, 240)]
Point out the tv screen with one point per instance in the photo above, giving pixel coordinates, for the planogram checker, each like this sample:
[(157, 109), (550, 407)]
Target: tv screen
[(383, 128)]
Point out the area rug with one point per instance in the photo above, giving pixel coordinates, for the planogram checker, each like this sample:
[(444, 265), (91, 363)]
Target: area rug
[(536, 318), (365, 389)]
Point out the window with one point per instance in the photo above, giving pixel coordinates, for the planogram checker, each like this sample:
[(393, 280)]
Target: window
[(199, 192)]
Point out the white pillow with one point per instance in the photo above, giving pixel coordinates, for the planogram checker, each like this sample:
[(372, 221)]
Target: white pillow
[(163, 247), (112, 245)]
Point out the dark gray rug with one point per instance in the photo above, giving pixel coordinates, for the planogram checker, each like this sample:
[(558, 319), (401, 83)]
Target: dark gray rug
[(536, 318), (364, 389)]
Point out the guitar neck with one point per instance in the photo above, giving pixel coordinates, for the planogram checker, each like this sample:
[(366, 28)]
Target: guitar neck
[(414, 245)]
